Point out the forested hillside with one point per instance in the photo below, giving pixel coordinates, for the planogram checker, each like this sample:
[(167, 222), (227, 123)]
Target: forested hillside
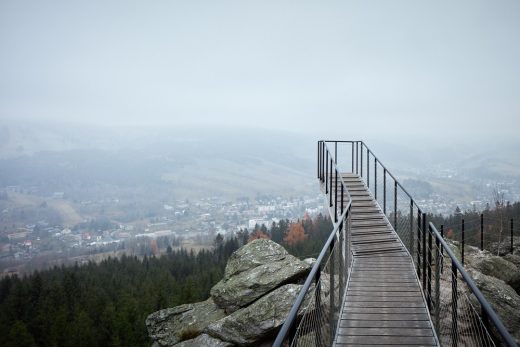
[(496, 225), (106, 304)]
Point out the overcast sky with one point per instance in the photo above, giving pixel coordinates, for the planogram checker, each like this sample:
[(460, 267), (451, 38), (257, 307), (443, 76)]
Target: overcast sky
[(362, 67)]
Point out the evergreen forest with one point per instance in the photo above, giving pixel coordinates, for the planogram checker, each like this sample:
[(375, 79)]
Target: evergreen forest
[(106, 304)]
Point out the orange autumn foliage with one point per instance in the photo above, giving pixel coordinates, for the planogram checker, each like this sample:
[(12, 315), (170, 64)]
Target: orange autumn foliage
[(295, 234), (258, 234)]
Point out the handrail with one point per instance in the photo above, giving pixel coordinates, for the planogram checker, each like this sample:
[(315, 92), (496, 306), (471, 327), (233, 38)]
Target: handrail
[(291, 318), (478, 294), (336, 168), (487, 310), (290, 321)]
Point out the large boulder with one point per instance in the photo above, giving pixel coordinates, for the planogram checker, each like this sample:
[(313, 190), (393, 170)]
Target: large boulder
[(172, 325), (503, 298), (498, 267), (259, 321), (265, 267), (204, 340), (255, 253), (515, 259)]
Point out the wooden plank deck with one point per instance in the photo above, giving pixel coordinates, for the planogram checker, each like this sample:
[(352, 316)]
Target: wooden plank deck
[(383, 305)]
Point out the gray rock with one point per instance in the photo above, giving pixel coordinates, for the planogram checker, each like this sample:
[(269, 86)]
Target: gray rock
[(310, 261), (515, 259), (259, 321), (173, 325), (204, 340), (244, 288), (503, 298), (498, 267), (257, 275), (255, 253)]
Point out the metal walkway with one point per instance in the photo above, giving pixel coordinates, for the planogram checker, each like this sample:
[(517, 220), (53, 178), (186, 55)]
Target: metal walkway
[(382, 283), (383, 304)]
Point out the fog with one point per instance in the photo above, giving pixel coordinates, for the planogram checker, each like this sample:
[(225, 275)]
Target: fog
[(438, 71)]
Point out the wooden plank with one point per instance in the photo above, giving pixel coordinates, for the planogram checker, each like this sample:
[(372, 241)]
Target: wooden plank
[(365, 298), (383, 310), (386, 296), (347, 323), (383, 317), (385, 331), (395, 340), (385, 304)]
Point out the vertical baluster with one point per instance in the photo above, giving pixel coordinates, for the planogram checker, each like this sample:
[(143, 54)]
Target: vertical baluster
[(419, 216), (331, 294), (352, 145), (429, 270), (375, 178), (330, 188), (437, 283), (384, 191), (368, 168), (454, 305), (412, 239), (395, 205), (424, 250), (336, 197), (463, 242)]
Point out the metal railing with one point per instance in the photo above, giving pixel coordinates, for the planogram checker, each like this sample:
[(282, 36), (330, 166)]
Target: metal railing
[(314, 316), (460, 313)]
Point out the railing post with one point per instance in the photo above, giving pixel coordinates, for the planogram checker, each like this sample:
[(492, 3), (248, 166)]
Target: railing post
[(419, 251), (429, 269), (424, 250), (454, 304), (481, 231), (361, 162), (368, 168), (384, 191), (331, 290), (375, 178), (512, 236), (437, 281), (357, 157), (352, 145), (341, 260), (463, 241), (395, 205), (442, 249), (336, 197), (326, 172), (318, 163), (411, 228), (330, 181), (342, 197)]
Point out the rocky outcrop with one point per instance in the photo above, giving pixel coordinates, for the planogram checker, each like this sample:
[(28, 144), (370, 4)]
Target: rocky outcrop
[(172, 325), (515, 259), (204, 340), (246, 308), (503, 298), (258, 321), (243, 288), (498, 278), (498, 267)]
